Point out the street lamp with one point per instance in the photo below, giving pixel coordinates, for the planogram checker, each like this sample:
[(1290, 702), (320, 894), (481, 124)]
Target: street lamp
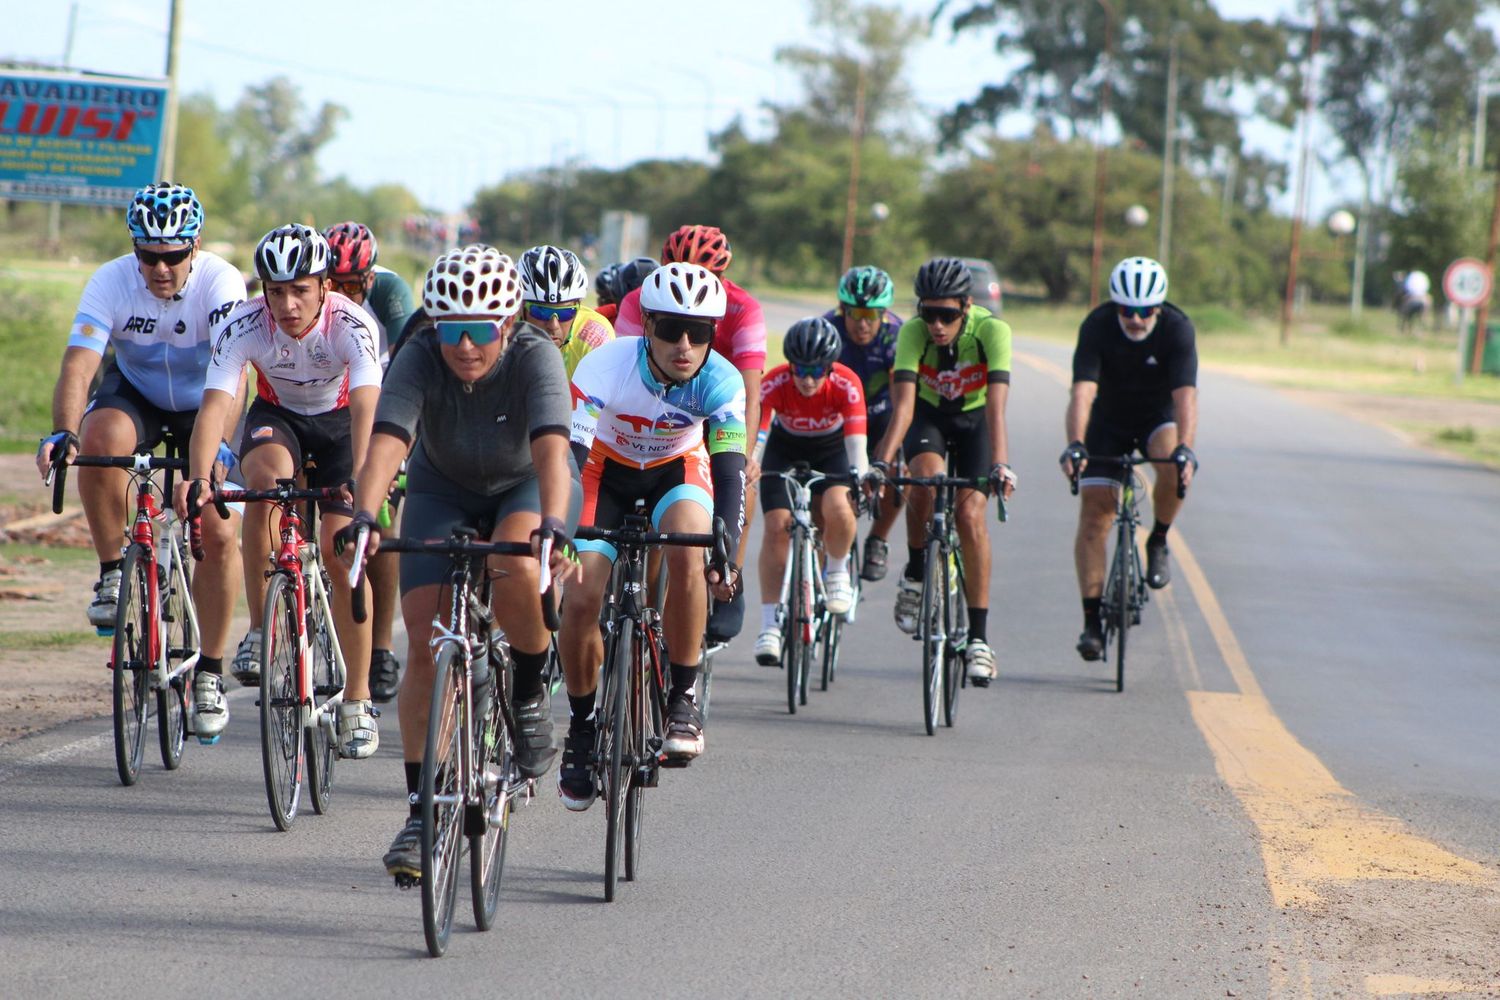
[(1136, 216)]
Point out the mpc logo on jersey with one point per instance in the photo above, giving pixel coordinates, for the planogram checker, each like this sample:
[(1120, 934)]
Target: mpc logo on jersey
[(140, 324), (667, 423)]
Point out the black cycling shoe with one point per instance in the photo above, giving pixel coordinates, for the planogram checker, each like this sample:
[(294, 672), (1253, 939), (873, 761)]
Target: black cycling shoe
[(533, 739), (1158, 566), (874, 567), (1091, 642), (575, 779), (385, 676), (726, 619), (403, 861)]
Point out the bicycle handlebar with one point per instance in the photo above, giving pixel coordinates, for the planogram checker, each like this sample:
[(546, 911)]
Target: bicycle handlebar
[(1129, 462), (463, 545), (961, 482), (57, 475), (630, 536)]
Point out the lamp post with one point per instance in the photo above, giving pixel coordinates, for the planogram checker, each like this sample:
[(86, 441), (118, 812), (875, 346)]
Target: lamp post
[(1341, 224)]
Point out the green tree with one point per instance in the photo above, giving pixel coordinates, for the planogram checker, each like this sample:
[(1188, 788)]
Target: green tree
[(272, 139)]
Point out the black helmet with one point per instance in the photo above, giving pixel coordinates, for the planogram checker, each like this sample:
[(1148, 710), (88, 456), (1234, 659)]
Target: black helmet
[(634, 273), (607, 284), (944, 278), (866, 288), (812, 341)]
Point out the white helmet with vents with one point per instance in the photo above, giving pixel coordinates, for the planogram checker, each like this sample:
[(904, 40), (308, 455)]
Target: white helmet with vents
[(475, 280), (551, 274), (680, 289), (290, 252), (1138, 281)]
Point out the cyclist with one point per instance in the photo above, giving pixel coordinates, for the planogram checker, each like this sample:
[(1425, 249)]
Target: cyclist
[(1135, 373), (353, 270), (952, 378), (638, 408), (554, 283), (492, 402), (868, 330), (819, 409), (740, 337), (607, 292), (317, 382), (161, 307)]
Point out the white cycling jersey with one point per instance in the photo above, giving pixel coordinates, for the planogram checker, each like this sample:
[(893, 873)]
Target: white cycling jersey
[(309, 374), (162, 346)]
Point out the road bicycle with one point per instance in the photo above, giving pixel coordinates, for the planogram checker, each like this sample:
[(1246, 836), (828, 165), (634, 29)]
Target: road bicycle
[(943, 615), (1125, 594), (155, 636), (302, 669), (632, 709), (809, 630), (470, 782)]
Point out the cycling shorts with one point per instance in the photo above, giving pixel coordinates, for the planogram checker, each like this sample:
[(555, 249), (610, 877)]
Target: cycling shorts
[(965, 434), (825, 453), (610, 491), (435, 505), (320, 445), (1119, 438)]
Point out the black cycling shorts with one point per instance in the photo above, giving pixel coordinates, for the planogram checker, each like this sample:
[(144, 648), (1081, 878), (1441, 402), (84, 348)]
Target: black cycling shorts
[(1119, 437), (153, 425), (966, 435), (824, 453), (321, 445)]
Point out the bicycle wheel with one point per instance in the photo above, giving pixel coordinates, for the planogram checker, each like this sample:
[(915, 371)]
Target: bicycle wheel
[(834, 634), (934, 593), (493, 751), (131, 659), (791, 644), (181, 639), (956, 621), (1122, 610), (281, 702), (320, 737), (618, 752), (646, 721), (441, 792)]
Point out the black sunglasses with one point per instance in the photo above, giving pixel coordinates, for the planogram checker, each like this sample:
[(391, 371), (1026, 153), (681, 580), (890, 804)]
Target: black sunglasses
[(669, 330), (171, 258), (940, 314)]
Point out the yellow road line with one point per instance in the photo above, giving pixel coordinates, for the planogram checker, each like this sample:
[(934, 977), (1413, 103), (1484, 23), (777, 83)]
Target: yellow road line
[(1218, 622)]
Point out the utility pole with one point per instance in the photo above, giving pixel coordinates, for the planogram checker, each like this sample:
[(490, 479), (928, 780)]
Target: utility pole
[(54, 210), (1482, 319), (858, 137), (1168, 159), (1096, 259), (1302, 166), (169, 127)]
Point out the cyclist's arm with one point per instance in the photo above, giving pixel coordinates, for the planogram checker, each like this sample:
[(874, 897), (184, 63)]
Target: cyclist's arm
[(1080, 404), (752, 379), (382, 461), (208, 430), (903, 405), (726, 455), (554, 475), (994, 414), (391, 302), (71, 395), (856, 420)]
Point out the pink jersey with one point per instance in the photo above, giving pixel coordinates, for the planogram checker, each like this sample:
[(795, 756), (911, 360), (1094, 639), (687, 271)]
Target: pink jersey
[(838, 405), (741, 334)]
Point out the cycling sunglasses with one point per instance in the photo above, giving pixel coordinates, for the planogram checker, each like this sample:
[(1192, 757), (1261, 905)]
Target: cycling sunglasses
[(810, 371), (351, 287), (872, 315), (1138, 312), (171, 258), (669, 330), (942, 315), (563, 314), (480, 331)]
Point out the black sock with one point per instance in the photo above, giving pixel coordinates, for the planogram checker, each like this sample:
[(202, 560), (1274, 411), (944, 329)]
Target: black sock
[(1159, 533), (913, 563), (111, 566), (581, 710), (1091, 606), (413, 784), (684, 677), (979, 618), (528, 673), (210, 665)]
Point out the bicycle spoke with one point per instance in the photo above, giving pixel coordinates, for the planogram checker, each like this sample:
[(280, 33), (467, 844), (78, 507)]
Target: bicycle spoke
[(134, 622), (280, 702)]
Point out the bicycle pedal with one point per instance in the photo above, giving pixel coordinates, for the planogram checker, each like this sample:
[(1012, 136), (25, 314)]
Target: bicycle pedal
[(405, 880), (104, 631), (209, 741)]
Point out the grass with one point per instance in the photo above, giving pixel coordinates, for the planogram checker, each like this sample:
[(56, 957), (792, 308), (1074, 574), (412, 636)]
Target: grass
[(1478, 445), (20, 551), (40, 299), (16, 640)]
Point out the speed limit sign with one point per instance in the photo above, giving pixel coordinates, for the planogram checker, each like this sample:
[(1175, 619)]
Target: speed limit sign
[(1467, 282)]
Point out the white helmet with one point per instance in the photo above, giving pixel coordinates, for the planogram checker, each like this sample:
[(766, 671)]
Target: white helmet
[(552, 274), (475, 280), (684, 290), (1138, 281), (290, 252)]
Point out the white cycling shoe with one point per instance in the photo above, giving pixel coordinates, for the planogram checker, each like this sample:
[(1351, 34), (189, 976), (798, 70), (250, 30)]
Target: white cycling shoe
[(768, 648)]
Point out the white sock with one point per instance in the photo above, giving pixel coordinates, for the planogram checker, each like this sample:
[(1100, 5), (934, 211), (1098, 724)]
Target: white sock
[(839, 565), (767, 617)]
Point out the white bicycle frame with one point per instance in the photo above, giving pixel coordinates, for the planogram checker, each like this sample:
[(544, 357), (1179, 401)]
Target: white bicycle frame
[(170, 551), (801, 493), (312, 713)]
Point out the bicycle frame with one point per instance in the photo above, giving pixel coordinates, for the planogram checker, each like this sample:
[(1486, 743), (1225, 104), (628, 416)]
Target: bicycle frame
[(799, 482)]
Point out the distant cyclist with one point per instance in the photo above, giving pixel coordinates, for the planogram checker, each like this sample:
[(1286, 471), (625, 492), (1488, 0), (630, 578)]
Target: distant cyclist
[(951, 384), (554, 282), (868, 329), (1135, 373), (819, 418), (353, 270), (161, 307)]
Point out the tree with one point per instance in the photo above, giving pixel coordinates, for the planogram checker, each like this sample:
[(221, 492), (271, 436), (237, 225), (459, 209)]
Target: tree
[(275, 143)]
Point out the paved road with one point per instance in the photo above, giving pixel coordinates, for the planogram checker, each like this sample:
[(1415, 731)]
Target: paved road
[(1269, 808)]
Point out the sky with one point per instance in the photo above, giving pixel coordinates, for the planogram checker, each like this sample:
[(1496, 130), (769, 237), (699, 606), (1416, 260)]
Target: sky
[(448, 96)]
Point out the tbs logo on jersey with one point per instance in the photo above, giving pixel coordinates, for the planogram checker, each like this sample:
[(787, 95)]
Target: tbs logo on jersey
[(667, 423), (591, 404)]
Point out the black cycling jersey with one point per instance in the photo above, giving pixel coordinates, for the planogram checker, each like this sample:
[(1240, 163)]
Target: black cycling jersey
[(1135, 377)]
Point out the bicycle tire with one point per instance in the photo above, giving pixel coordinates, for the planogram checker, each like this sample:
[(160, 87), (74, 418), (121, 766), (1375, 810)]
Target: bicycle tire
[(181, 642), (955, 670), (1122, 606), (442, 829), (645, 718), (616, 780), (835, 634), (132, 664), (281, 745), (791, 645), (320, 740), (932, 643), (492, 747)]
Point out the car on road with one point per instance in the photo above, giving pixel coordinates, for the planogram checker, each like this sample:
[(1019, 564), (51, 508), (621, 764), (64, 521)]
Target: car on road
[(986, 284)]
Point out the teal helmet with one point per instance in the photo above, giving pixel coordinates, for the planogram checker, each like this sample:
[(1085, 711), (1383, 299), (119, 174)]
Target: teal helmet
[(866, 288), (164, 213)]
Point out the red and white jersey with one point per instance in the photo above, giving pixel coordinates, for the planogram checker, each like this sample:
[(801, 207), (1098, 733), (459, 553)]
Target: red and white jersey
[(837, 407), (309, 374), (740, 336)]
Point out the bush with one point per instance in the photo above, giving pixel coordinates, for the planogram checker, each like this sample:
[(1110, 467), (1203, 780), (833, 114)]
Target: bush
[(1218, 319), (33, 330)]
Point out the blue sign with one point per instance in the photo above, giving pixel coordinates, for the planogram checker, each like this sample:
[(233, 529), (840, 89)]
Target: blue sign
[(77, 137)]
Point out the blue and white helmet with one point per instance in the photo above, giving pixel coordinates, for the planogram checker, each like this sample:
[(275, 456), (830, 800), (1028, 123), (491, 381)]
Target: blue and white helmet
[(290, 252), (164, 213), (1139, 282)]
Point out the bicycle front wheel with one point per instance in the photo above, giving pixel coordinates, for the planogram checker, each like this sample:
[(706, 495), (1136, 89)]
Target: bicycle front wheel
[(132, 662), (930, 628), (441, 795), (181, 637), (493, 755), (792, 634), (281, 751), (957, 627), (320, 738), (1116, 605), (620, 749), (646, 721)]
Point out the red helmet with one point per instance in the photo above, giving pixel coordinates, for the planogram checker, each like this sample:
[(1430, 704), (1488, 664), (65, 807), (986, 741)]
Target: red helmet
[(353, 248), (701, 245)]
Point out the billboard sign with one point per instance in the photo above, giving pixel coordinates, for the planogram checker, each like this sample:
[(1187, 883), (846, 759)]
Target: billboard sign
[(77, 137)]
